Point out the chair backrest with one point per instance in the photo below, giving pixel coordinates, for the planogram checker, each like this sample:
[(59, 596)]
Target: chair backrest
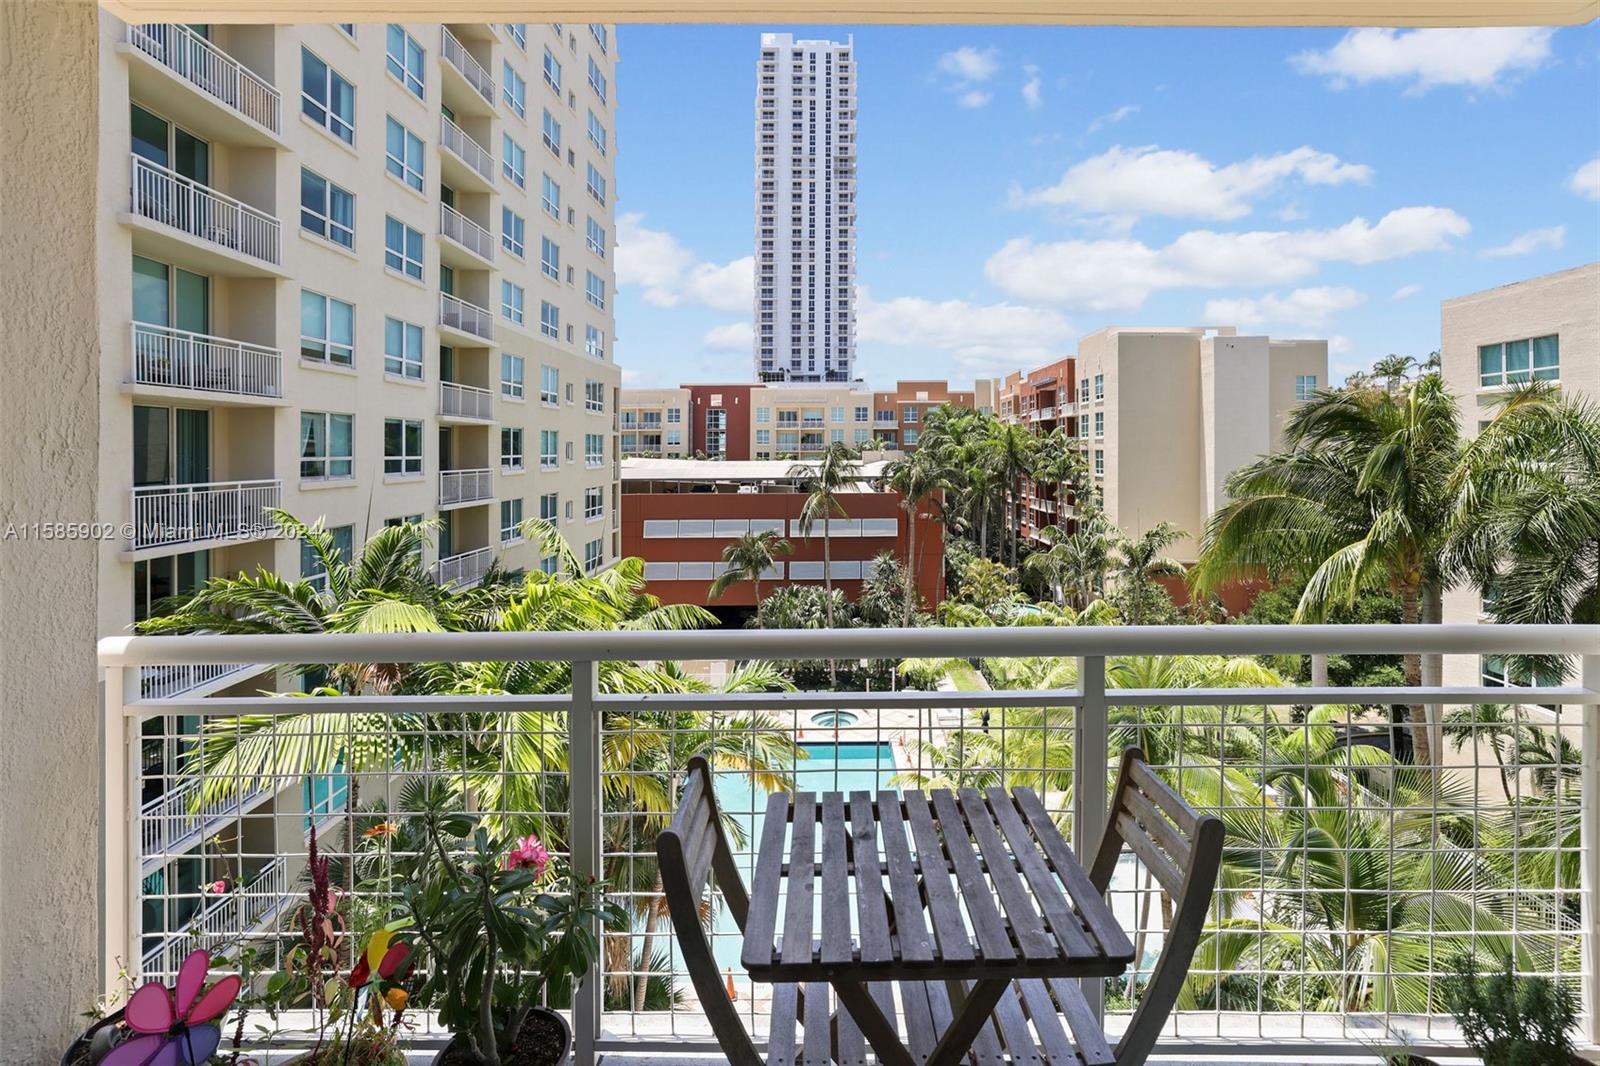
[(1182, 849), (689, 852)]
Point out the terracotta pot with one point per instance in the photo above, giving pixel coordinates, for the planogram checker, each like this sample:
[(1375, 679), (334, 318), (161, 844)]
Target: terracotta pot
[(545, 1040)]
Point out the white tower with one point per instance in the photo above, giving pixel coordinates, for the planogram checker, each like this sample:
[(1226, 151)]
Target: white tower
[(805, 211)]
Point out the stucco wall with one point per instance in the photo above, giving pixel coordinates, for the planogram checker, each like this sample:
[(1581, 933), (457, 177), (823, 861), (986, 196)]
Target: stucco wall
[(49, 404)]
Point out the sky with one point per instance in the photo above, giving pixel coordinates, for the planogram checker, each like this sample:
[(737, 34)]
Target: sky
[(1019, 187)]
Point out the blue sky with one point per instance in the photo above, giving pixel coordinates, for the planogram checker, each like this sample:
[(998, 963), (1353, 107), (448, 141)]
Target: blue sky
[(1019, 187)]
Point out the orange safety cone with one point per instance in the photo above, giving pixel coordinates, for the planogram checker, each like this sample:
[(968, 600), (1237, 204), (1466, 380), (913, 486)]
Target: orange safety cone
[(732, 995)]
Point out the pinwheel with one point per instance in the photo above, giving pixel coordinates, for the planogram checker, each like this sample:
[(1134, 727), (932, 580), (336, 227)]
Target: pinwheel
[(175, 1027)]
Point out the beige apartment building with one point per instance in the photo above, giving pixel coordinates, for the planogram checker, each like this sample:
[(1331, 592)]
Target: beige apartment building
[(1543, 329), (652, 423)]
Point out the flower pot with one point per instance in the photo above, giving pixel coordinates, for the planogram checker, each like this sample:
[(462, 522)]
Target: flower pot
[(544, 1041), (95, 1042)]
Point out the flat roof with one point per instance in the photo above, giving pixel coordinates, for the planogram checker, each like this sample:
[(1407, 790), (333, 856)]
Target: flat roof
[(642, 469)]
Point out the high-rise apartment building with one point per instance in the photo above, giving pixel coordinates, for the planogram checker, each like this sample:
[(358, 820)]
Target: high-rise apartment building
[(805, 211)]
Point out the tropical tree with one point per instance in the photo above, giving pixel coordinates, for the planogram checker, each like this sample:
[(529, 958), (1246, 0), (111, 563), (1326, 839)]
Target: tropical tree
[(916, 478), (1060, 461), (1359, 499), (747, 558), (827, 478), (1013, 448), (1138, 564)]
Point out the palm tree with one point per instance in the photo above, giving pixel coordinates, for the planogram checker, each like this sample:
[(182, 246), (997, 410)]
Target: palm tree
[(747, 558), (1061, 462), (837, 469), (915, 478), (1359, 500), (1139, 563), (1013, 448)]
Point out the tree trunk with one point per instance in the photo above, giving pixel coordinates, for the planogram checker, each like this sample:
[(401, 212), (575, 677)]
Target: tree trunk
[(1432, 608), (827, 584), (641, 981), (1421, 750), (911, 564)]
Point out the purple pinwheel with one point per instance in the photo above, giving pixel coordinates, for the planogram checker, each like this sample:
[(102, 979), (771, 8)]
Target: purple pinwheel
[(171, 1024)]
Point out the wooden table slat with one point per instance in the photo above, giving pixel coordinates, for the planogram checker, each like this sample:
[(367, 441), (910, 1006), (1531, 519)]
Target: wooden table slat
[(872, 912), (1086, 1031), (1020, 1045), (761, 924), (1053, 1040), (799, 913), (1047, 890), (1091, 906), (920, 1031), (819, 1029), (780, 1040), (1028, 930), (986, 1049), (986, 922), (944, 910), (852, 1045), (837, 946)]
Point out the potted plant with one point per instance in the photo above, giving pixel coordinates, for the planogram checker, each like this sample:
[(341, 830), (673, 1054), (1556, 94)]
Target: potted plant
[(1396, 1050), (498, 940), (160, 1024), (1510, 1020)]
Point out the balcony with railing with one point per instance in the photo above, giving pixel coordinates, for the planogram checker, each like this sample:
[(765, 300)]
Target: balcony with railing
[(459, 488), (465, 318), (460, 232), (214, 512), (458, 59), (202, 65), (477, 161), (225, 921), (1355, 873), (174, 209), (465, 403), (223, 368), (464, 569), (161, 682), (177, 819)]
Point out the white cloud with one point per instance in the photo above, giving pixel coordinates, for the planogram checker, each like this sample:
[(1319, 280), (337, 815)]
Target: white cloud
[(1405, 292), (968, 64), (1033, 88), (1163, 181), (1533, 240), (1481, 58), (733, 337), (1585, 181), (1312, 308), (1291, 213), (981, 337), (631, 375), (1338, 344), (1112, 117), (1119, 274), (974, 98), (671, 274)]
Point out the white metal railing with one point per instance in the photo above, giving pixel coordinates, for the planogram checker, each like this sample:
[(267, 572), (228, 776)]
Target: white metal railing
[(465, 401), (165, 196), (465, 486), (465, 317), (210, 69), (1353, 876), (456, 54), (160, 682), (470, 151), (227, 919), (172, 821), (466, 568), (215, 510), (179, 359), (465, 232)]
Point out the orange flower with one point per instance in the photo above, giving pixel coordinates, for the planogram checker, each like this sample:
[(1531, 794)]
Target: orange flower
[(396, 998), (382, 829)]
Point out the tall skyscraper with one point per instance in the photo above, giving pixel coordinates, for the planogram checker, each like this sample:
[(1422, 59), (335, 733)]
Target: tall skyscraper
[(805, 211)]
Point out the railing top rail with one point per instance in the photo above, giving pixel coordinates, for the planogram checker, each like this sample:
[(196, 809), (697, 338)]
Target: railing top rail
[(190, 486), (446, 299), (212, 338), (194, 40), (465, 388), (855, 643), (140, 161)]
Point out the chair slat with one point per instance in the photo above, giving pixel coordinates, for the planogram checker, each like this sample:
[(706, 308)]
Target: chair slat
[(986, 1049), (920, 1032), (1057, 909), (797, 924), (1159, 826), (1013, 1028), (781, 1042), (1086, 1032), (1164, 796), (836, 943), (761, 927), (852, 1046), (1026, 926), (818, 1038), (1090, 906), (986, 922), (943, 908), (872, 913), (1155, 860), (1054, 1043)]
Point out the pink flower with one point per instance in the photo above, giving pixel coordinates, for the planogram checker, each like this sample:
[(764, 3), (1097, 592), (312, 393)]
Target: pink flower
[(217, 887), (528, 853)]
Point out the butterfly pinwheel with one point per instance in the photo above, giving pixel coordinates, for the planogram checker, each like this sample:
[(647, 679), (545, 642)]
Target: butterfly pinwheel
[(177, 1026)]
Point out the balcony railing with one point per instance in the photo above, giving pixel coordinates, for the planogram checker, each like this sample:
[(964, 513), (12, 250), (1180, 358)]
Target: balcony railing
[(160, 682), (465, 486), (226, 920), (1354, 876), (179, 359), (464, 317), (210, 69), (217, 510), (173, 821), (475, 155), (168, 197), (465, 569), (456, 54), (465, 401), (465, 232)]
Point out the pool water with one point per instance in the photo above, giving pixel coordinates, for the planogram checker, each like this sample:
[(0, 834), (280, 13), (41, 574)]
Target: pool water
[(834, 719)]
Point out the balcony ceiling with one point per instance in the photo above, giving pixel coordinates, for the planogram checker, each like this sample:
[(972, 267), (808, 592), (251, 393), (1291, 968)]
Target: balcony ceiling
[(1088, 12)]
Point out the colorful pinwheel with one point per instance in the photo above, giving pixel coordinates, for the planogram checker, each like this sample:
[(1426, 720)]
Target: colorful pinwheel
[(172, 1024)]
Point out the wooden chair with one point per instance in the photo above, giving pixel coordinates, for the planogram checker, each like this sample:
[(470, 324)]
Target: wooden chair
[(1037, 1023)]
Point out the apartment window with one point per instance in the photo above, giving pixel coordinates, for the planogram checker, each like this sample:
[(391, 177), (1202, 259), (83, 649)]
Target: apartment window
[(512, 228), (327, 445), (594, 449), (594, 342), (511, 448), (1099, 386), (594, 289), (347, 28), (402, 248), (402, 446), (763, 414), (596, 184), (403, 154), (836, 436), (549, 449), (327, 210), (511, 367), (552, 71), (836, 414), (597, 133), (551, 199), (595, 237), (1099, 463), (550, 506), (549, 319), (550, 565), (514, 161), (510, 521), (593, 553), (552, 133), (599, 33), (1517, 362), (863, 436), (404, 59), (326, 98), (550, 258), (910, 414), (1099, 424), (763, 436), (910, 437), (597, 80), (1305, 386), (594, 396), (519, 33), (327, 329), (1083, 426), (674, 415), (402, 349), (593, 503), (311, 568), (514, 89), (511, 302), (1083, 388), (549, 385), (863, 414), (674, 438)]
